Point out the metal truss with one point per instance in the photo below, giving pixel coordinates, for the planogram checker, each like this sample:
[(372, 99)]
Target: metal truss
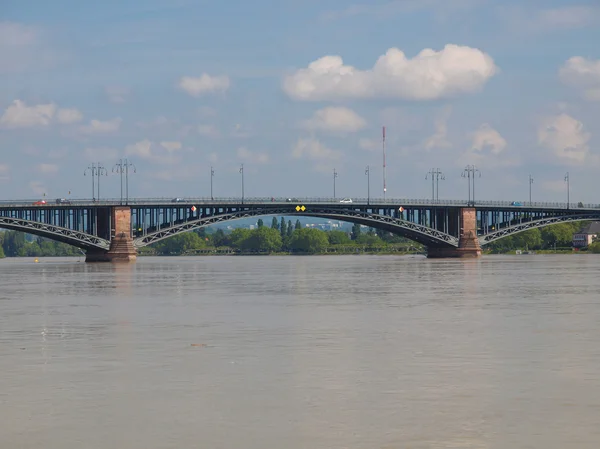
[(65, 235), (505, 232), (419, 233)]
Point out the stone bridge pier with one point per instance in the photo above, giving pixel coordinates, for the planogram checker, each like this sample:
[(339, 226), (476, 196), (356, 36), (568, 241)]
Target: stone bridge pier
[(468, 243), (116, 222)]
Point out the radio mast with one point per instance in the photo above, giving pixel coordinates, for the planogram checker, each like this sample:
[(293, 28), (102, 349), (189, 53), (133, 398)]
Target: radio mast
[(383, 144)]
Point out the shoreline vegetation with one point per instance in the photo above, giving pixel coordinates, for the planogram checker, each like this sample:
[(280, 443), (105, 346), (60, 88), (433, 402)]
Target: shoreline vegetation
[(285, 238)]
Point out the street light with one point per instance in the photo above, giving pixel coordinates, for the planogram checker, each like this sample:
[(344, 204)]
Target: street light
[(212, 175), (96, 170), (568, 188), (530, 182), (436, 175), (469, 173), (242, 173), (122, 168), (334, 176), (367, 172)]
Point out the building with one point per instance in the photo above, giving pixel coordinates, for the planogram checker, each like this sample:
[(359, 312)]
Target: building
[(586, 235)]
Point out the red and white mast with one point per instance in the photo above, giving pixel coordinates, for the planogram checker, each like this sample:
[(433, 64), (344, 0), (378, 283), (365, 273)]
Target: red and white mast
[(383, 144)]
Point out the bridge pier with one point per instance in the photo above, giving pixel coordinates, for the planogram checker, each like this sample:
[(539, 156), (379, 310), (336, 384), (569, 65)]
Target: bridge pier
[(121, 240), (468, 243)]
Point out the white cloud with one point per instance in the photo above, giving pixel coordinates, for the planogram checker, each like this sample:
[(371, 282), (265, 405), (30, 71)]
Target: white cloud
[(16, 41), (567, 17), (335, 119), (4, 172), (94, 154), (487, 140), (19, 115), (370, 144), (248, 156), (427, 76), (584, 75), (68, 116), (440, 138), (208, 130), (47, 169), (565, 137), (314, 150), (171, 146), (204, 84), (117, 94), (101, 127), (158, 153)]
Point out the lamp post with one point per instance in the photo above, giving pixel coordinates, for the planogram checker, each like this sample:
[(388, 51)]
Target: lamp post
[(530, 182), (568, 189), (242, 173), (122, 168), (469, 173), (436, 175), (334, 176), (367, 172), (96, 170), (212, 175), (100, 171)]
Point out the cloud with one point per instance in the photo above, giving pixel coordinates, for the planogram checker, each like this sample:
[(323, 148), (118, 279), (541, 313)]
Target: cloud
[(157, 153), (37, 187), (567, 17), (487, 140), (68, 116), (248, 156), (429, 75), (335, 119), (565, 137), (19, 115), (440, 138), (208, 130), (4, 172), (47, 169), (102, 127), (314, 150), (204, 84), (94, 154), (117, 94), (370, 144), (171, 146), (584, 75), (16, 44)]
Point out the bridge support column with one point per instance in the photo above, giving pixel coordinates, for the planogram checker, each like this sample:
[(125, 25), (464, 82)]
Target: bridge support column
[(121, 241), (468, 243)]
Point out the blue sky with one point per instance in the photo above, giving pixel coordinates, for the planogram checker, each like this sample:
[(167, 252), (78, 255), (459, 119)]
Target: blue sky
[(295, 89)]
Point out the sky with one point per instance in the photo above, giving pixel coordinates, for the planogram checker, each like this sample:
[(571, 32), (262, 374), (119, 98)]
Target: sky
[(295, 89)]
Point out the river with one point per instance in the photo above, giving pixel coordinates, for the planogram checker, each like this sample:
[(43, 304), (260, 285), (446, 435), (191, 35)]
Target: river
[(358, 352)]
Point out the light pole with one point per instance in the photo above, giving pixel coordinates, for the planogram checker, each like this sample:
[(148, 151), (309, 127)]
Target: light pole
[(469, 173), (242, 173), (122, 167), (93, 169), (100, 171), (334, 176), (212, 175), (436, 175), (367, 172), (530, 182), (568, 188)]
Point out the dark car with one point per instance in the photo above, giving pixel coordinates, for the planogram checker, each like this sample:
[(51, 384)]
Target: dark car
[(62, 201), (176, 200)]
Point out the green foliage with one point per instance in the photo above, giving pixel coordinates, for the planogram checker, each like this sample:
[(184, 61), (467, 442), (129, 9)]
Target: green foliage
[(179, 243), (283, 228), (369, 239), (355, 231), (309, 240), (260, 223), (275, 223), (298, 225), (338, 238), (290, 230), (263, 239), (1, 252), (594, 248), (14, 244)]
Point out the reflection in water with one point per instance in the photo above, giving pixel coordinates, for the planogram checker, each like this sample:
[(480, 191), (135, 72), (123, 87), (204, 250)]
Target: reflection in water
[(296, 352)]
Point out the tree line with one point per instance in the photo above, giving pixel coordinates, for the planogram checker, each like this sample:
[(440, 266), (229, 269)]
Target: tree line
[(281, 236), (15, 244)]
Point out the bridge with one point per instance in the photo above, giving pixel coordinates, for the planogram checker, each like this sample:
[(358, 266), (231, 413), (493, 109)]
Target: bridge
[(113, 230)]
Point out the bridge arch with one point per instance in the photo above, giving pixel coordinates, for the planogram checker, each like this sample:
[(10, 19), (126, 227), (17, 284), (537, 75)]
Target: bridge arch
[(419, 233), (75, 238), (533, 224)]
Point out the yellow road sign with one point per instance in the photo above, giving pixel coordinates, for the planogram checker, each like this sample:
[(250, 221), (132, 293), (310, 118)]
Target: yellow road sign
[(297, 208), (300, 208)]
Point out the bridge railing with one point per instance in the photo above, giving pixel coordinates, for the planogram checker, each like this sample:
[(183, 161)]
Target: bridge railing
[(200, 201)]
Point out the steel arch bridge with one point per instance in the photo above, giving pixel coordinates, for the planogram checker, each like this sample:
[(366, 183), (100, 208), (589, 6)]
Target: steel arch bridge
[(96, 225)]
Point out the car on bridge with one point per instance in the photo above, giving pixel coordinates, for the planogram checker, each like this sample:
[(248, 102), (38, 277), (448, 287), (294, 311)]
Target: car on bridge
[(176, 200), (346, 200), (516, 203), (62, 201), (39, 203), (292, 200)]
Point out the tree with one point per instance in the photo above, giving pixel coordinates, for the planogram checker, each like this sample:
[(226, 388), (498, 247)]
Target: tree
[(260, 223), (283, 228), (275, 223), (355, 231), (238, 237), (309, 240), (1, 252), (298, 225), (220, 239), (263, 239), (338, 238), (180, 243), (290, 229)]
